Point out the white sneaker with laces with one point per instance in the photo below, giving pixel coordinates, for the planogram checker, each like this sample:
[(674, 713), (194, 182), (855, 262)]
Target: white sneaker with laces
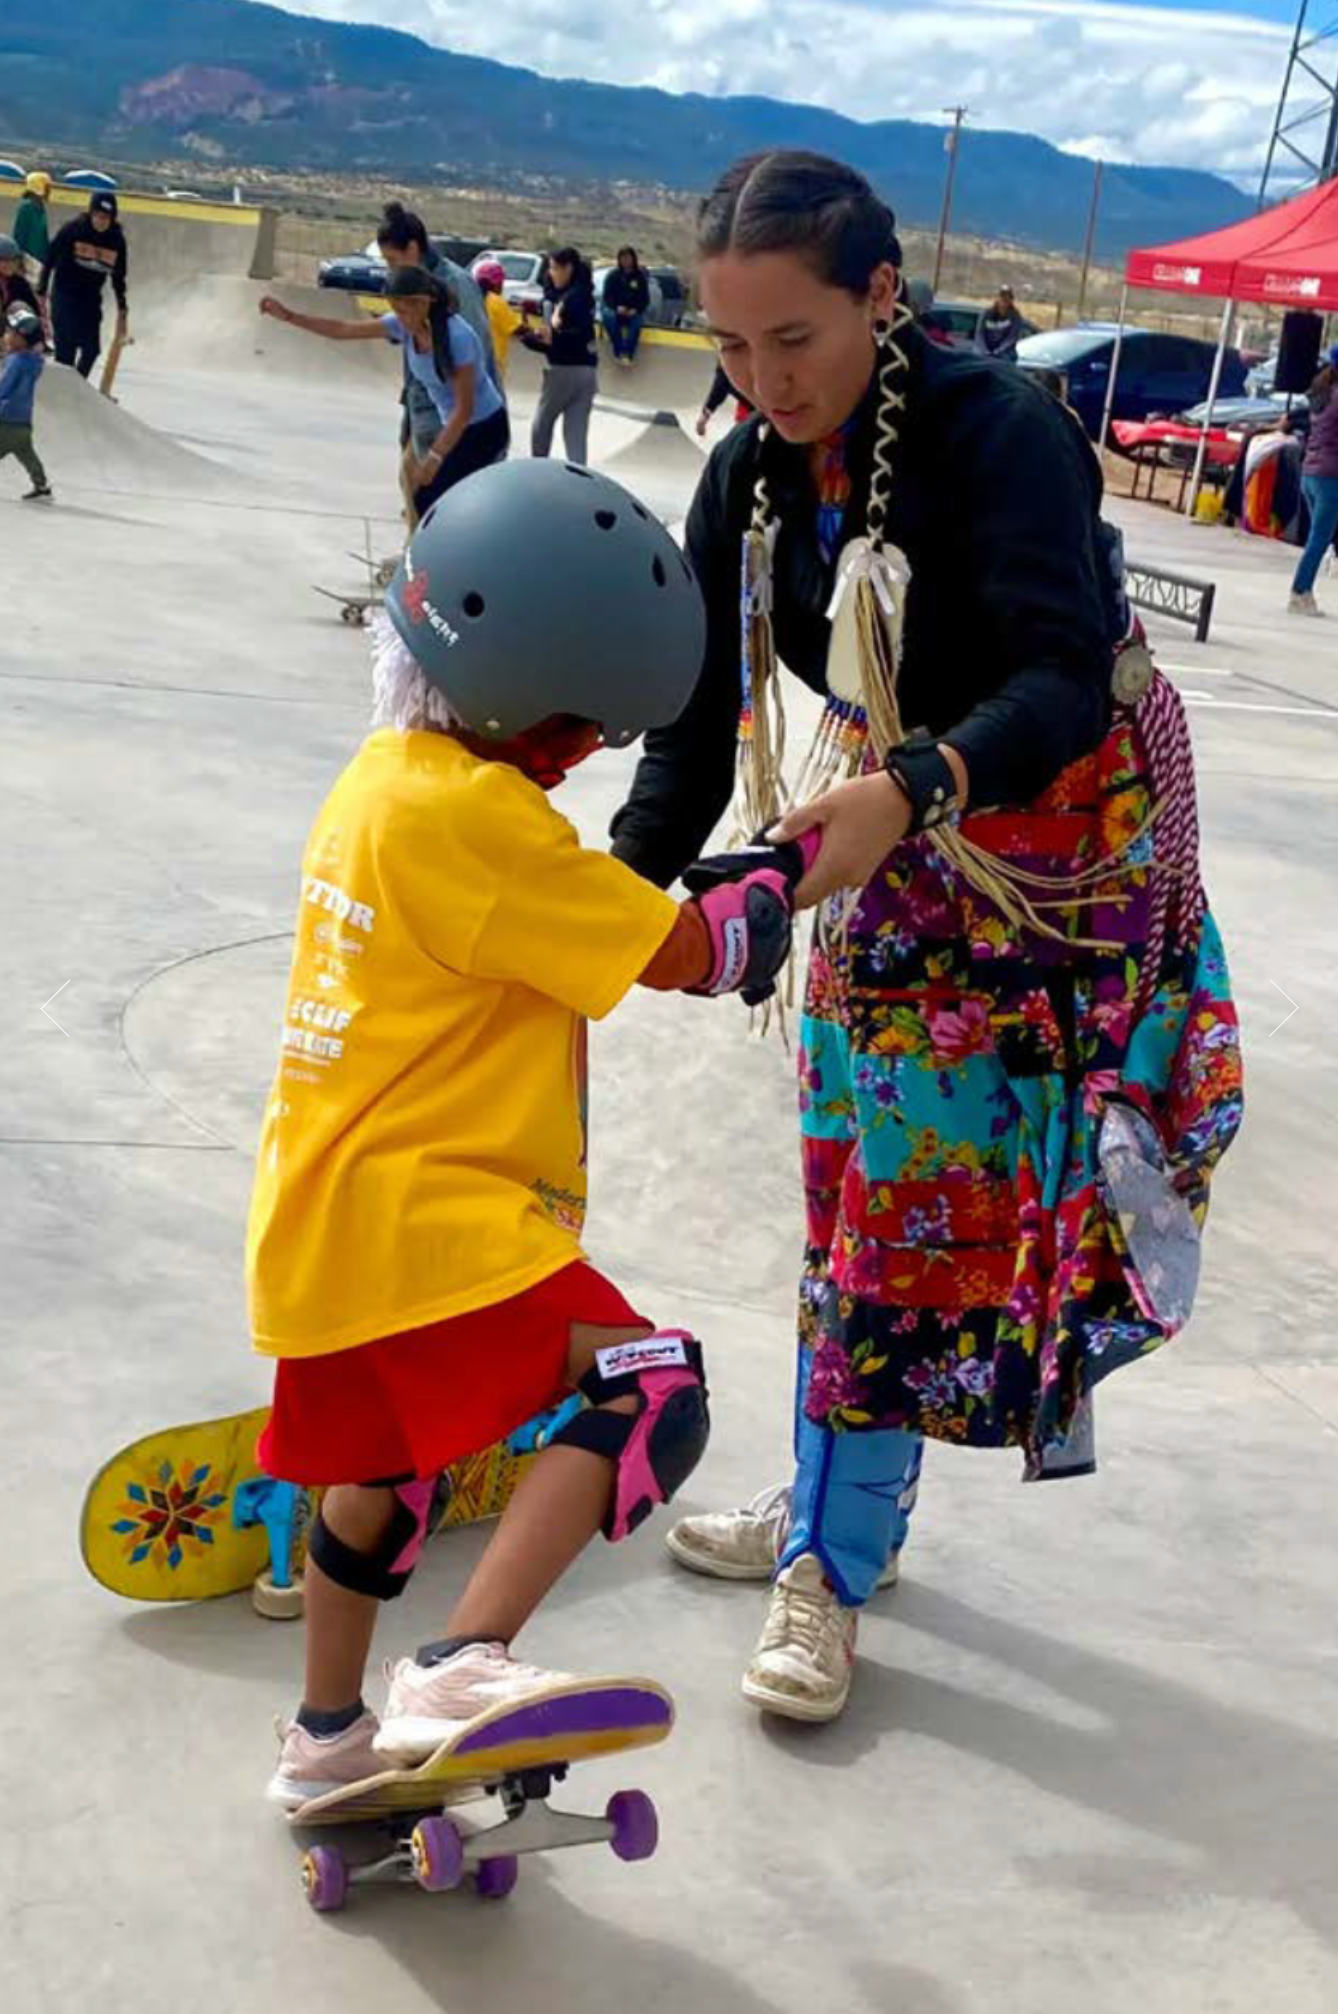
[(805, 1657), (1303, 604), (743, 1544), (428, 1703)]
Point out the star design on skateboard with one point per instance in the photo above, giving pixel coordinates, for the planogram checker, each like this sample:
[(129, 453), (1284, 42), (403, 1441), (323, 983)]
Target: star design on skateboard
[(169, 1516), (413, 595)]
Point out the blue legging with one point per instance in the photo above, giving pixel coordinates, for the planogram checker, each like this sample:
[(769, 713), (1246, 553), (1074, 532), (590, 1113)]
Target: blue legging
[(853, 1497), (1321, 493)]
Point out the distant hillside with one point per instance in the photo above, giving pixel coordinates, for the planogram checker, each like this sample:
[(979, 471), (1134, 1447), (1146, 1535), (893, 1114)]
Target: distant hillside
[(227, 81)]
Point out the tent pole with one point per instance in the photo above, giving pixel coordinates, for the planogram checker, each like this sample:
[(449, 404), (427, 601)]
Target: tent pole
[(1202, 454), (1114, 370)]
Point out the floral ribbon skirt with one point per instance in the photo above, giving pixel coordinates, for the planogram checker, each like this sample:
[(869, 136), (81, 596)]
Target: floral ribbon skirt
[(968, 1274)]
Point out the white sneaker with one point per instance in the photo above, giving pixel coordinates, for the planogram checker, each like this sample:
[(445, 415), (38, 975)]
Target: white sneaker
[(428, 1703), (1303, 604), (805, 1657), (743, 1544)]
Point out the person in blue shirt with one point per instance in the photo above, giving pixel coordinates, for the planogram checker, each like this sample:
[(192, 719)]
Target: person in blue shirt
[(446, 359), (22, 367)]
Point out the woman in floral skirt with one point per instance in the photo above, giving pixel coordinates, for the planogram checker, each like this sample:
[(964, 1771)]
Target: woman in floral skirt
[(1019, 1061)]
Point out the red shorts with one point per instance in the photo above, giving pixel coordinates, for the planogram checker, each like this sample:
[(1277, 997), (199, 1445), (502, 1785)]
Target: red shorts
[(410, 1403)]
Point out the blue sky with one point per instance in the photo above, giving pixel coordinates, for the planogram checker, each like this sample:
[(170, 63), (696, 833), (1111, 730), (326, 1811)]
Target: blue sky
[(1192, 83)]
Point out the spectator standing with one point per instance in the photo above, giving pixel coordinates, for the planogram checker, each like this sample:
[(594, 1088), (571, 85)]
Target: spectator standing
[(32, 230), (1319, 485), (21, 365), (15, 293), (81, 258), (503, 320), (571, 377), (1001, 328)]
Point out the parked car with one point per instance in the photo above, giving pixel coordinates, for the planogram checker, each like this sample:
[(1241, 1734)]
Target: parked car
[(1263, 377), (524, 271), (958, 323), (355, 272), (674, 292), (1158, 374), (10, 171), (89, 178), (1241, 414)]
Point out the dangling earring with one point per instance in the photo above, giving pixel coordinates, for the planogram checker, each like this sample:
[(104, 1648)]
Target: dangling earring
[(882, 332)]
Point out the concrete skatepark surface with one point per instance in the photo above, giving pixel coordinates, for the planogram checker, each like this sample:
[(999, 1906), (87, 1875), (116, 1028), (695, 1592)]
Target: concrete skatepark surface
[(1089, 1758)]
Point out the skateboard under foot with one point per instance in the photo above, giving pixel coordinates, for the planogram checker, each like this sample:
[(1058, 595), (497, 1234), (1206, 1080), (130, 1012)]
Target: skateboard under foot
[(515, 1754), (187, 1514)]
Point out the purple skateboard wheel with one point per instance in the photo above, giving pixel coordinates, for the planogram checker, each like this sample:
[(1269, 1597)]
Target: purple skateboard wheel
[(496, 1878), (325, 1878), (438, 1854), (636, 1829)]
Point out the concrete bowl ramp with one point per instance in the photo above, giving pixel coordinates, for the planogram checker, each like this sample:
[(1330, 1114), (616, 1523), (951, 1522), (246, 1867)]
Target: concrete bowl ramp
[(214, 324), (89, 442), (672, 373), (660, 464), (171, 241)]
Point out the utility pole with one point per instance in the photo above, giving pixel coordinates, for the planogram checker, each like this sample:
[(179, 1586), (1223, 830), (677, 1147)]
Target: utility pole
[(952, 141), (1091, 238)]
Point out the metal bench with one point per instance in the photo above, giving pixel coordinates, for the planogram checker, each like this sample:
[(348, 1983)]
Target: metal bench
[(1176, 595)]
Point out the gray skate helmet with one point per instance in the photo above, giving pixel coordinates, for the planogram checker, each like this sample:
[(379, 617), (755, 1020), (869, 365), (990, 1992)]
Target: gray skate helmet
[(9, 247), (620, 625), (24, 323)]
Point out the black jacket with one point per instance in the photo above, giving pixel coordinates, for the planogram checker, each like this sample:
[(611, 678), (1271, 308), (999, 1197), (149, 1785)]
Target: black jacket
[(80, 261), (16, 293), (995, 501), (574, 335), (627, 290)]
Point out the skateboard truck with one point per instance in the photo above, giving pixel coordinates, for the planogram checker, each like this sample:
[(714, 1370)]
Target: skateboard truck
[(278, 1506), (437, 1854)]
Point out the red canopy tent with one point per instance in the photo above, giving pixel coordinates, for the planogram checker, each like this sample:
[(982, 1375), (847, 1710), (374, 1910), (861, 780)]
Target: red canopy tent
[(1286, 256)]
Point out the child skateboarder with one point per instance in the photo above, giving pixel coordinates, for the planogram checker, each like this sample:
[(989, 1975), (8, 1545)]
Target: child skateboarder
[(414, 1253), (20, 370)]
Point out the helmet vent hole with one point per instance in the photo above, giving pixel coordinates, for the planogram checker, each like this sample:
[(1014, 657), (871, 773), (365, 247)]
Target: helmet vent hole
[(606, 519), (573, 470), (641, 510), (474, 605), (657, 570)]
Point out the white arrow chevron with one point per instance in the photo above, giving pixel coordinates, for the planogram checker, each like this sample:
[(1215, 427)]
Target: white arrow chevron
[(1286, 1017)]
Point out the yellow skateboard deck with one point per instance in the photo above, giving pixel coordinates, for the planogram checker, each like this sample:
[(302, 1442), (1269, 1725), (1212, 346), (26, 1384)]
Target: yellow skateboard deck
[(186, 1514)]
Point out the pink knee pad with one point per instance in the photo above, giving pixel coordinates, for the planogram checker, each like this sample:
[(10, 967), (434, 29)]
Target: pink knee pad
[(415, 1499), (385, 1571), (657, 1447)]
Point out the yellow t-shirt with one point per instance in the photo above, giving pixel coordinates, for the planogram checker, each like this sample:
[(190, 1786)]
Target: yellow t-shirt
[(504, 321), (423, 1152)]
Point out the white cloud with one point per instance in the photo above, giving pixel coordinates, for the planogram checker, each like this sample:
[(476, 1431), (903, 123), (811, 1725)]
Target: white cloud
[(1132, 82)]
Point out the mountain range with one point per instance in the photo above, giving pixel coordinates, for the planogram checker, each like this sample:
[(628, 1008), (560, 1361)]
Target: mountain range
[(228, 81)]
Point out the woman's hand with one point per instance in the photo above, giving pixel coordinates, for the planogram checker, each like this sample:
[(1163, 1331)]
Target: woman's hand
[(860, 822), (422, 472), (269, 306)]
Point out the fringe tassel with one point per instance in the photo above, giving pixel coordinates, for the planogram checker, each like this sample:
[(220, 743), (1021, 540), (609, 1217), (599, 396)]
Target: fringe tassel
[(760, 795)]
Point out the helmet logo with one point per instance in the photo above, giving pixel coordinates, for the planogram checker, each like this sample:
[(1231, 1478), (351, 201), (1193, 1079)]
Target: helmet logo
[(414, 597), (413, 594)]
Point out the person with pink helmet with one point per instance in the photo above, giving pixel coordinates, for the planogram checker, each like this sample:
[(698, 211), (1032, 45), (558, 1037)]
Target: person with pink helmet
[(504, 320)]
